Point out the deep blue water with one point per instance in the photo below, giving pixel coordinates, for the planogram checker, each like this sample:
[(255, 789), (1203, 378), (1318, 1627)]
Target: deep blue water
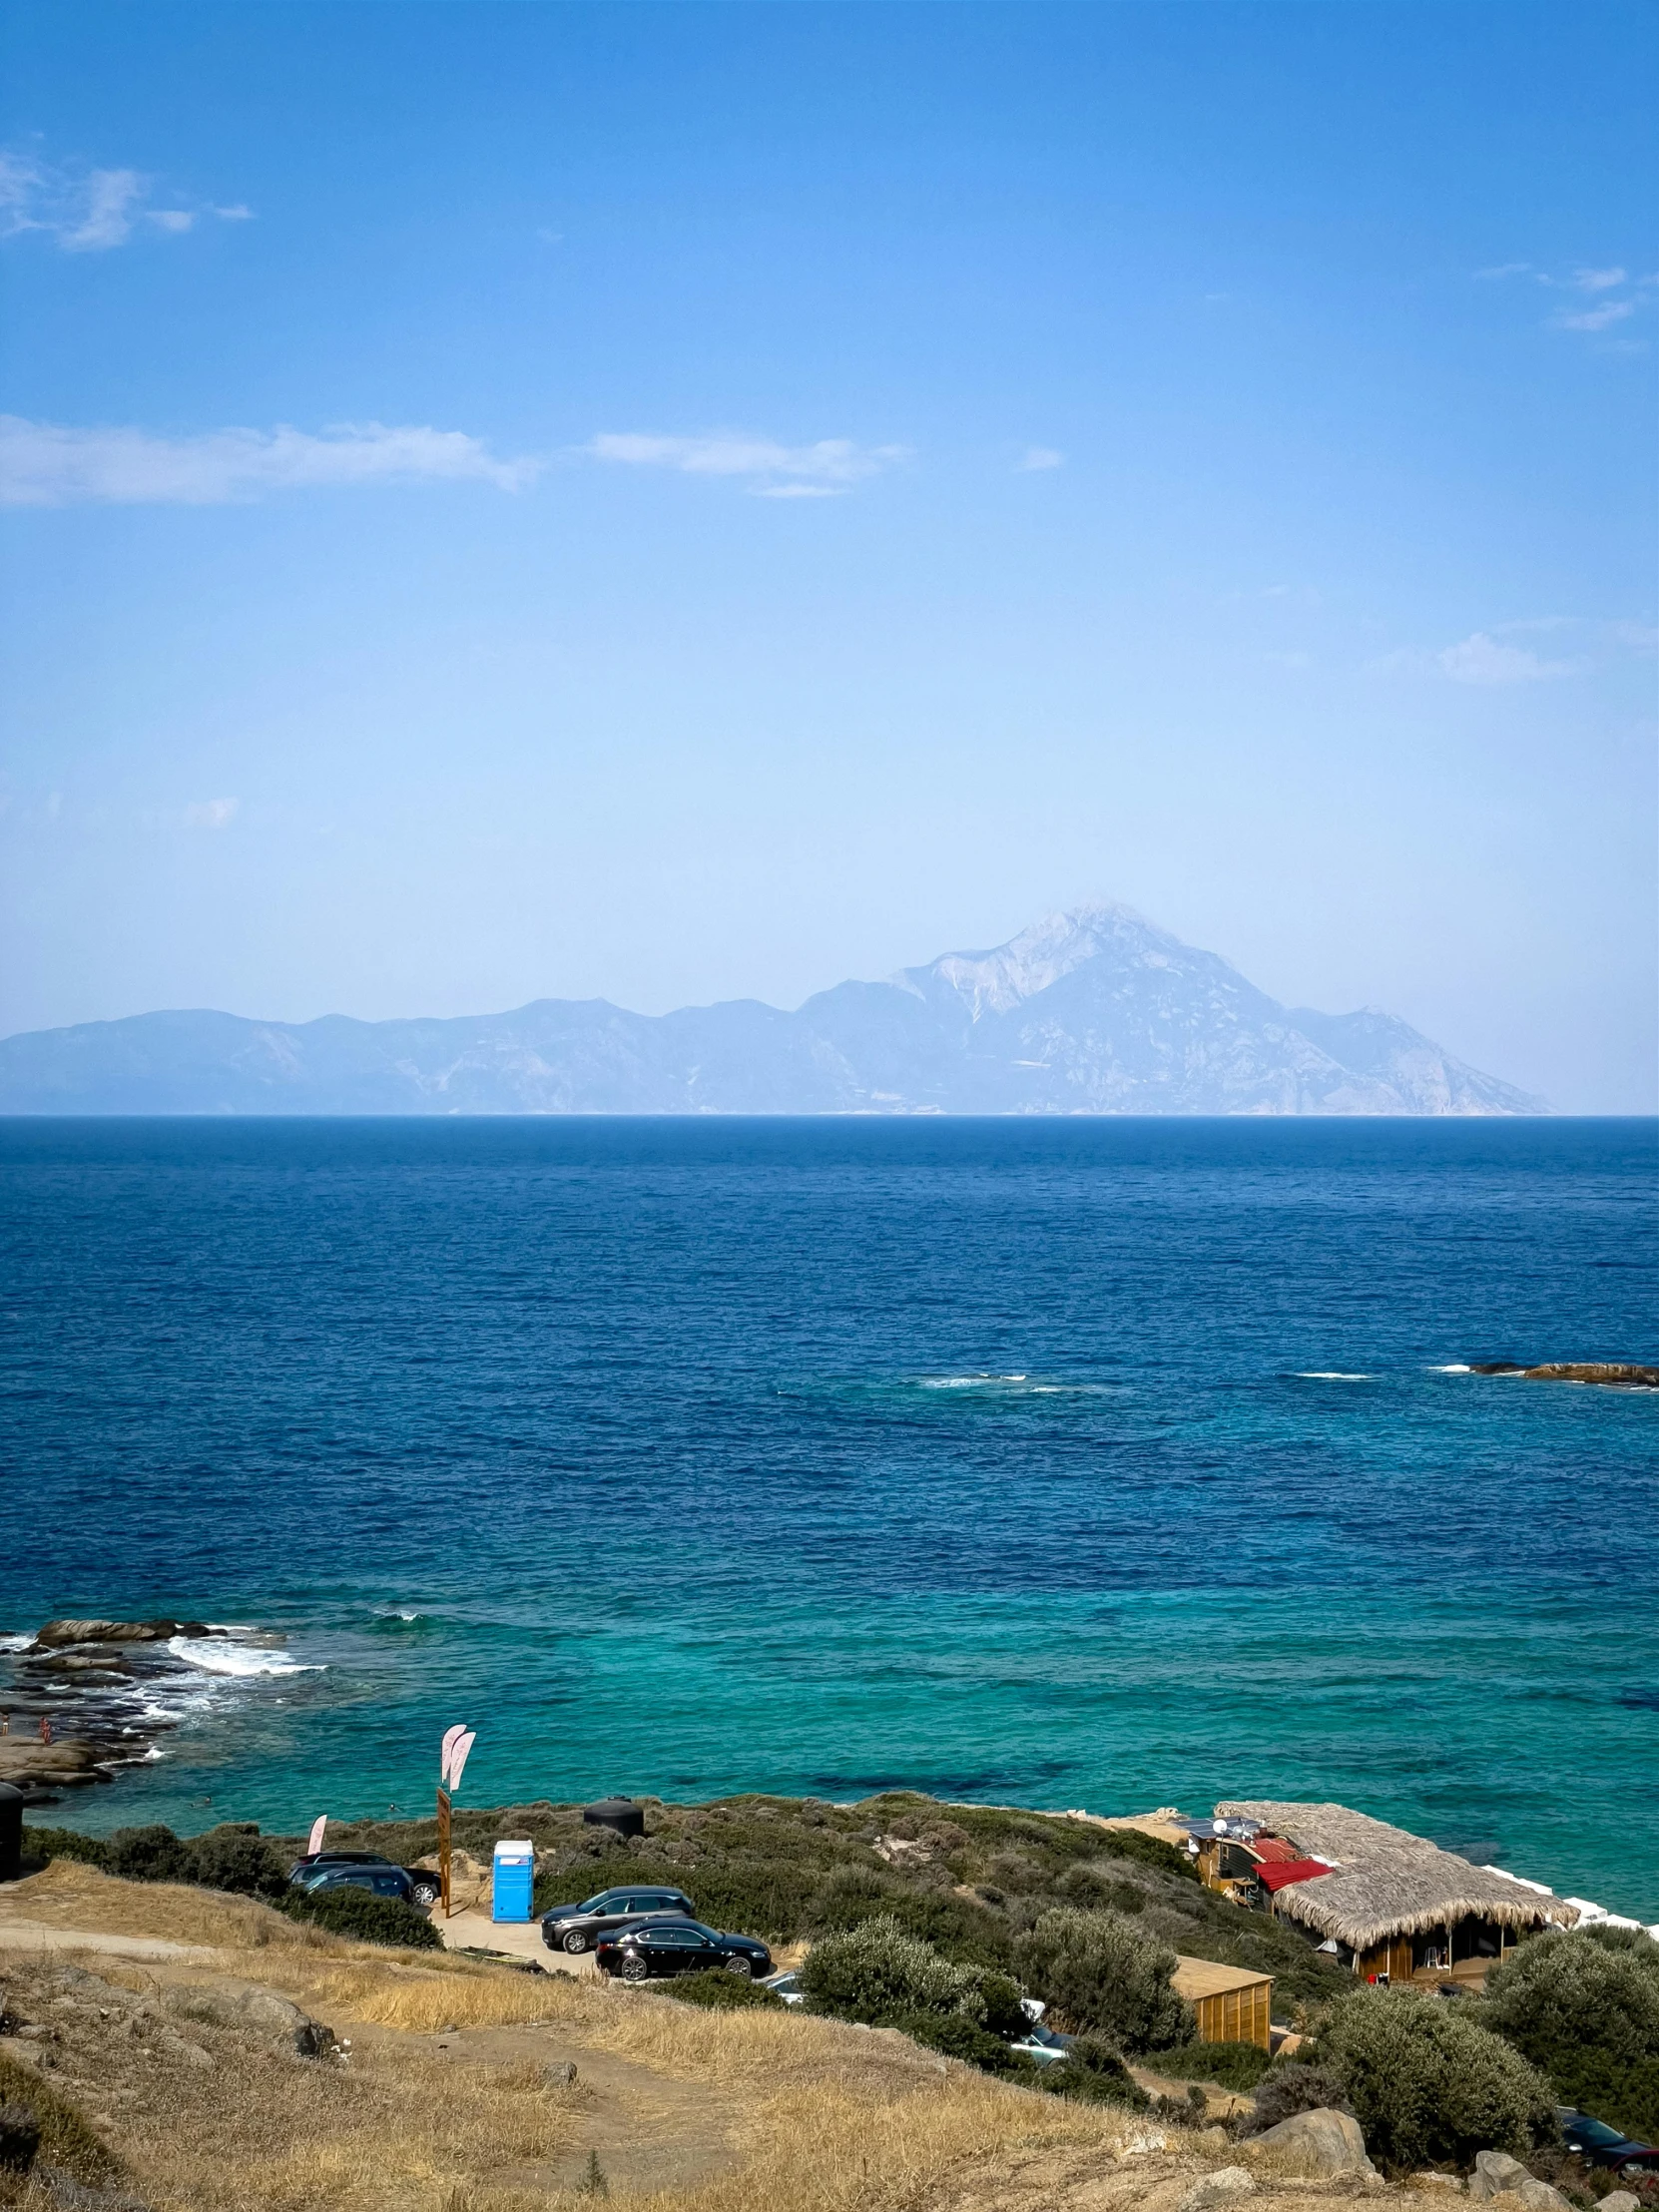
[(1097, 1463)]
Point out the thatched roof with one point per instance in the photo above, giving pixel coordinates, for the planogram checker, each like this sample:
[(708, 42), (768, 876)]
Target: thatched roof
[(1384, 1881)]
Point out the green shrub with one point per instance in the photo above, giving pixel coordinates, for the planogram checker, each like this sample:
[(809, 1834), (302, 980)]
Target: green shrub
[(877, 1972), (719, 1992), (1583, 2006), (1294, 2087), (954, 2035), (1093, 2072), (238, 1860), (1105, 1974), (65, 1842), (364, 1918), (146, 1855), (1231, 2066), (1428, 2086)]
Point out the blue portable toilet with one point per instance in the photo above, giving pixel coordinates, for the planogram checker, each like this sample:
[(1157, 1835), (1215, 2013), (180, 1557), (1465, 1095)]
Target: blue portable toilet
[(515, 1877)]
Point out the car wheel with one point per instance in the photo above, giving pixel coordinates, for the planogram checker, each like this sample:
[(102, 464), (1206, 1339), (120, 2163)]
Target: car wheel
[(634, 1967), (739, 1965), (576, 1941), (425, 1893)]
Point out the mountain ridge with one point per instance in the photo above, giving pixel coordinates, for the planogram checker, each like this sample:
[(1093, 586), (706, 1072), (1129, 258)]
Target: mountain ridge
[(1090, 1010)]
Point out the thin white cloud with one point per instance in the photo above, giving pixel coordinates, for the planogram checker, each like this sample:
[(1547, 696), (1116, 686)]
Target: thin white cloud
[(210, 813), (1481, 659), (1598, 279), (44, 464), (1597, 318), (1042, 456), (88, 210), (1504, 268), (774, 470)]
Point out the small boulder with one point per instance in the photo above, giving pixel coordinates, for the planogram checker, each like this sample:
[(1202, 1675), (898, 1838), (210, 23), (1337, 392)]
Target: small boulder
[(1228, 2185), (1495, 2172), (1318, 2145), (244, 2004), (58, 1633), (561, 2075), (1620, 2200), (1538, 2196)]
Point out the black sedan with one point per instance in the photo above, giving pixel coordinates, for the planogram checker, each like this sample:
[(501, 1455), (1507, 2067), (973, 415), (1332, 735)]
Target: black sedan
[(1601, 2145), (577, 1927), (678, 1946)]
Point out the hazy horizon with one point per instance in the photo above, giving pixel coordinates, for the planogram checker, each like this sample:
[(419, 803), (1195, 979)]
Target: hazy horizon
[(680, 504)]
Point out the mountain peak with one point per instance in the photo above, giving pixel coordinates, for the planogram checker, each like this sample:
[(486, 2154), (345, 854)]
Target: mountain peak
[(997, 981)]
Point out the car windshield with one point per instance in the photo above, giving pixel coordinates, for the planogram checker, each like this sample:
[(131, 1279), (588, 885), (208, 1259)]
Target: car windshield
[(1595, 2131)]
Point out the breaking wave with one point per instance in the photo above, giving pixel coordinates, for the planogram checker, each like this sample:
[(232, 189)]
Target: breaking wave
[(216, 1657)]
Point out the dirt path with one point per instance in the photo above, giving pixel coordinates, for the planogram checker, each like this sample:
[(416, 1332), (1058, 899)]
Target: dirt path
[(649, 2130)]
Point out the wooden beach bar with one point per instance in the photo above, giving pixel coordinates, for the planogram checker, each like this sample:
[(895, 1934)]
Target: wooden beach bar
[(1390, 1904)]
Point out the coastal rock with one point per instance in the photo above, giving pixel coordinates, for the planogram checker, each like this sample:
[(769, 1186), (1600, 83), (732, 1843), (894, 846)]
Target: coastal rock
[(1620, 2200), (1611, 1374), (1318, 2145), (1228, 2185), (244, 2004), (28, 1764), (58, 1633), (1497, 2174)]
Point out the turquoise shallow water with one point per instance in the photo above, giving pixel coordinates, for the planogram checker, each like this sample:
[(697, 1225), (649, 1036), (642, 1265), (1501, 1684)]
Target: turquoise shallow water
[(1078, 1464)]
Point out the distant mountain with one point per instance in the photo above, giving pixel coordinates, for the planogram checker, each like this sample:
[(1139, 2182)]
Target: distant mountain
[(1095, 1011)]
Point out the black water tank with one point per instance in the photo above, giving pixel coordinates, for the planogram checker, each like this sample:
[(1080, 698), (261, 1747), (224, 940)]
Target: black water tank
[(11, 1833), (619, 1814)]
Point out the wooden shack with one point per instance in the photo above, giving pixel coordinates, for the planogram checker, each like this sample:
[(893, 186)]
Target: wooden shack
[(1393, 1907), (1234, 2004)]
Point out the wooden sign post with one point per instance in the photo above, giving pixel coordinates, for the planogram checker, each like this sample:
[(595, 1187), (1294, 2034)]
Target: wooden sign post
[(444, 1850)]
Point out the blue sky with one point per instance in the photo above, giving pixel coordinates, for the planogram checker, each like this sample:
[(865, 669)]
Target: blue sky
[(670, 503)]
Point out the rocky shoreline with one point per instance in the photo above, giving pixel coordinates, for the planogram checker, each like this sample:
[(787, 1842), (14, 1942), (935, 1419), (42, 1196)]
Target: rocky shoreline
[(81, 1698), (1610, 1374)]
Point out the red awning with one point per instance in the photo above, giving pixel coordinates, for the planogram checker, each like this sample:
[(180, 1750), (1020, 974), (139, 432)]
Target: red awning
[(1273, 1850), (1275, 1879)]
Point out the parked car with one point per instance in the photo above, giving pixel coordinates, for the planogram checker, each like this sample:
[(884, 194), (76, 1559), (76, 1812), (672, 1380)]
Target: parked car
[(384, 1881), (425, 1885), (1601, 2145), (786, 1986), (671, 1945), (577, 1927), (1044, 2044)]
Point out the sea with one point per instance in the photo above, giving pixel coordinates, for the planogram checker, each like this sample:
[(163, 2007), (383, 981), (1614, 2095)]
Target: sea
[(1064, 1464)]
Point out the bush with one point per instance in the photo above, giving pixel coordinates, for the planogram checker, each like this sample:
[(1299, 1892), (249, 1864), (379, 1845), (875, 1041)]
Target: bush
[(1231, 2066), (1583, 2006), (1094, 2073), (1103, 1973), (238, 1860), (877, 1972), (720, 1991), (1296, 2088), (146, 1855), (954, 2035), (367, 1919), (65, 1842), (1428, 2086)]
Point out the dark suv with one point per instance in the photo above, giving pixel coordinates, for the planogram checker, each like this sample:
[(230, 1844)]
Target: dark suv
[(678, 1946), (577, 1927), (381, 1880), (424, 1886)]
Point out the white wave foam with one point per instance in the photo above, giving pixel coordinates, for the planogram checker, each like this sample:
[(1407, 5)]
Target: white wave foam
[(1457, 1366), (214, 1657), (15, 1643), (967, 1381), (1330, 1374)]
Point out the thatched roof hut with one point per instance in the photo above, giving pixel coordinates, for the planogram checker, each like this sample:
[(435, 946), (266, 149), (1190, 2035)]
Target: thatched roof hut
[(1386, 1884)]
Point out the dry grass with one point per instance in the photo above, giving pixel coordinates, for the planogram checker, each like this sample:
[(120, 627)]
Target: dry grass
[(70, 1894)]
